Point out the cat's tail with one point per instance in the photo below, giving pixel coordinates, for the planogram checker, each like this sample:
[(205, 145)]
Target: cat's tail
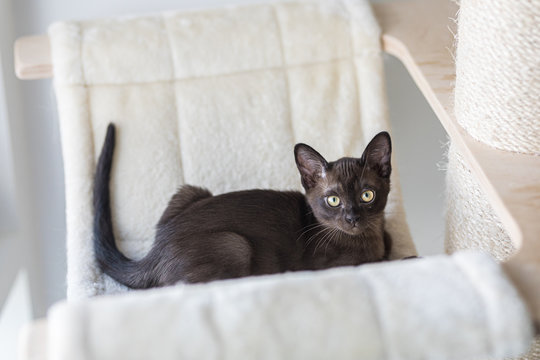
[(110, 260)]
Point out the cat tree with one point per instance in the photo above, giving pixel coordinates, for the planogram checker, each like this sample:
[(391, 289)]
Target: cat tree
[(507, 177)]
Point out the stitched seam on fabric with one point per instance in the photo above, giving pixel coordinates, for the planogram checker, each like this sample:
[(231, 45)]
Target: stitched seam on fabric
[(355, 72), (271, 68), (98, 282), (285, 71), (173, 64)]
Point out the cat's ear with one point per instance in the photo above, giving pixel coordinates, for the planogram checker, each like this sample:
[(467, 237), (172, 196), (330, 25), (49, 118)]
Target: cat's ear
[(378, 154), (311, 164)]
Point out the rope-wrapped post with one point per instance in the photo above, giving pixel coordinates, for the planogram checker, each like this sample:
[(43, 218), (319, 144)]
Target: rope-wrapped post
[(498, 73), (497, 97)]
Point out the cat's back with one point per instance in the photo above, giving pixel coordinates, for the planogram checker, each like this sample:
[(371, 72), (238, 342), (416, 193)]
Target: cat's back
[(264, 205), (245, 211)]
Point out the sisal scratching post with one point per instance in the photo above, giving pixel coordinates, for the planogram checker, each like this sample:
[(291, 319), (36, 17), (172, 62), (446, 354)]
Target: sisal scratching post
[(498, 73), (470, 221), (496, 101)]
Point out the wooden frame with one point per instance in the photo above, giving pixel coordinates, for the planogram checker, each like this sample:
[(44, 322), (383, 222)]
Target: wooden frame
[(420, 34)]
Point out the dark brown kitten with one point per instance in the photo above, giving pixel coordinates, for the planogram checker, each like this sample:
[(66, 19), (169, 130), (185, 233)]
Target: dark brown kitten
[(201, 237)]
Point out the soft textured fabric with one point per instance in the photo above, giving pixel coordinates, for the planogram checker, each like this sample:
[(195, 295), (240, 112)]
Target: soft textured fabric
[(401, 310), (215, 98), (471, 222), (498, 73)]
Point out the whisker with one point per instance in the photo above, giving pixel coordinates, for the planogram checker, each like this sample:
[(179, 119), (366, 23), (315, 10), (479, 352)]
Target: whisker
[(322, 239), (309, 228), (319, 239), (328, 239), (332, 238), (314, 236)]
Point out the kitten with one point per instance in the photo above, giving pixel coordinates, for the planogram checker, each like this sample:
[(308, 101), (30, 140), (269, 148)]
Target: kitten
[(201, 237)]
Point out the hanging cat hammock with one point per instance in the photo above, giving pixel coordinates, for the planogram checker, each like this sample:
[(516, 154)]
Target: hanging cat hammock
[(306, 71)]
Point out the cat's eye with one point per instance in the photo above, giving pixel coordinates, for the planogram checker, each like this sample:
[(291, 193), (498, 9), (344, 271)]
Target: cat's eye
[(333, 201), (368, 196)]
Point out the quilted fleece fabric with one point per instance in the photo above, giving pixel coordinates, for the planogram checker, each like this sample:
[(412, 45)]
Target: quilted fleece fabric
[(215, 98)]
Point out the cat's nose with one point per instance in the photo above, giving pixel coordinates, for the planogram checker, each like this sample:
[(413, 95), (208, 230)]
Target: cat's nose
[(352, 218)]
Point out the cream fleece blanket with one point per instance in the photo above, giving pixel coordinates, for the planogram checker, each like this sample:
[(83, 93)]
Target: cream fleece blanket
[(215, 98), (401, 310)]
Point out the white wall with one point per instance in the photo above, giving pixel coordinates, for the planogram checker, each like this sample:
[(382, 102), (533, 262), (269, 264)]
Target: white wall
[(420, 143), (18, 234), (417, 137), (14, 315), (8, 217)]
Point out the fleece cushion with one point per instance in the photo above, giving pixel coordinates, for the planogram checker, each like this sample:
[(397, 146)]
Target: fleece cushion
[(215, 98)]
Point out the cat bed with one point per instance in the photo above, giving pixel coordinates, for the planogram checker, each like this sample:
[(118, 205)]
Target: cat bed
[(288, 72), (304, 71)]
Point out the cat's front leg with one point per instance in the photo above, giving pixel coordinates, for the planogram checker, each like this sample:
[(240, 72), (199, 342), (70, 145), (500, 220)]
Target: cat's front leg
[(387, 245)]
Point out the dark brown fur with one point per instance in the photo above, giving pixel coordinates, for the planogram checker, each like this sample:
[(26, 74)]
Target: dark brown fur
[(201, 237)]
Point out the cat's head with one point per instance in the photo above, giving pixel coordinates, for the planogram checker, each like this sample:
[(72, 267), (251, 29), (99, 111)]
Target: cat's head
[(349, 194)]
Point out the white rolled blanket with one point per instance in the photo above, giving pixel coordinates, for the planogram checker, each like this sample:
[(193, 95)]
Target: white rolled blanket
[(409, 309)]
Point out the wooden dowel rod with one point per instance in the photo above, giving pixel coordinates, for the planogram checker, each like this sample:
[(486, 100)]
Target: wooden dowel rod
[(33, 57)]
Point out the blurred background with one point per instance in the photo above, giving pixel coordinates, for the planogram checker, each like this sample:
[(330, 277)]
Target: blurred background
[(32, 225)]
